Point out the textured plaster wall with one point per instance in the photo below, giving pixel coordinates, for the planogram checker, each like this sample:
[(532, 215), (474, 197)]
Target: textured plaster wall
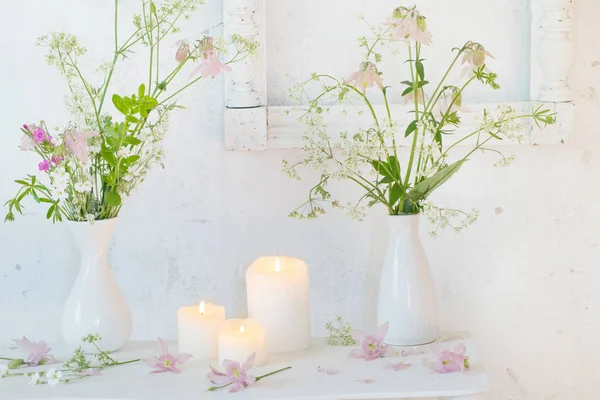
[(524, 280)]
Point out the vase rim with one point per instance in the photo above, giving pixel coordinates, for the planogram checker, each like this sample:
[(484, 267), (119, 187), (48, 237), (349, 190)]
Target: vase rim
[(95, 223)]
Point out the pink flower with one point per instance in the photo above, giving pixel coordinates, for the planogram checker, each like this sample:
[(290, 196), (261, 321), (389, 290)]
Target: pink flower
[(235, 375), (410, 97), (44, 165), (35, 352), (58, 160), (366, 77), (397, 366), (449, 361), (166, 362), (183, 51), (328, 370), (76, 143), (474, 58), (39, 135), (371, 347), (450, 101), (365, 381), (27, 143), (408, 24), (209, 64)]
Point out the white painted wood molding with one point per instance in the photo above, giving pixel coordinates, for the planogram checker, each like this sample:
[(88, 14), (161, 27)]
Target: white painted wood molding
[(251, 125)]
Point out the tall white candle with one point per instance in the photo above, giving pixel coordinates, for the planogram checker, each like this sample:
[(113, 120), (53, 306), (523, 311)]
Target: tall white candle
[(240, 338), (278, 297), (198, 329)]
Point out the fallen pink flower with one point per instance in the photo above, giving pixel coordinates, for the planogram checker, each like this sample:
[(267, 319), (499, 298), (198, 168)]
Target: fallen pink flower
[(236, 375), (328, 370), (397, 366), (372, 347), (166, 362), (36, 353), (76, 143), (449, 361), (365, 381), (366, 77)]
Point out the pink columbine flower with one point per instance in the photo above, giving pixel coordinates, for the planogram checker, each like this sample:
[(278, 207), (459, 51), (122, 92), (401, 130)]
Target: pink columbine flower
[(35, 352), (76, 143), (449, 361), (27, 143), (236, 375), (372, 347), (409, 25), (410, 97), (209, 64), (166, 362), (183, 51), (366, 77), (397, 366), (44, 165), (473, 58), (449, 101)]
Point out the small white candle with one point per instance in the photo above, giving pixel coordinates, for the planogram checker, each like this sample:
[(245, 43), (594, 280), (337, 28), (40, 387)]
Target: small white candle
[(198, 329), (278, 297), (240, 338)]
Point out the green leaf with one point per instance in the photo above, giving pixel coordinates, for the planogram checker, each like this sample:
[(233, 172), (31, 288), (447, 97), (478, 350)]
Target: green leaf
[(21, 182), (132, 119), (385, 180), (382, 168), (410, 128), (50, 211), (395, 194), (150, 102), (111, 132), (113, 199), (153, 10), (109, 157), (132, 140), (407, 91), (35, 196), (427, 186), (142, 88), (45, 200), (420, 69), (128, 104), (394, 167), (119, 104), (131, 159)]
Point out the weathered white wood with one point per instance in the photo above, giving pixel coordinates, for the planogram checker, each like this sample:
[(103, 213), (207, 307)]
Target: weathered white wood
[(246, 128), (550, 61), (302, 382), (285, 132), (244, 86)]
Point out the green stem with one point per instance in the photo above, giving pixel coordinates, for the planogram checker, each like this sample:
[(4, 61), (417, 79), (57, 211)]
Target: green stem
[(7, 359), (435, 92), (272, 373), (180, 90), (416, 132)]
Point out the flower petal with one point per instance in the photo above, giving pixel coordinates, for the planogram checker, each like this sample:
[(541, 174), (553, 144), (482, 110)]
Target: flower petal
[(357, 353), (236, 387), (358, 335), (249, 362), (152, 362), (183, 358), (162, 347)]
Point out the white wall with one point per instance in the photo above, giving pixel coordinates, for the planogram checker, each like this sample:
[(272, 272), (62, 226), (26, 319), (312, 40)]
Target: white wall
[(524, 280)]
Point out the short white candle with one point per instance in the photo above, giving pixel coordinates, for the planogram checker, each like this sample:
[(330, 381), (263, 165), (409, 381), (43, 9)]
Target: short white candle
[(199, 328), (278, 297), (240, 338)]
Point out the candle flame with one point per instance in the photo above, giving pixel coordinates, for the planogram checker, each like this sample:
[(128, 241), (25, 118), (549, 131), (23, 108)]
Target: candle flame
[(242, 328), (277, 265), (202, 307)]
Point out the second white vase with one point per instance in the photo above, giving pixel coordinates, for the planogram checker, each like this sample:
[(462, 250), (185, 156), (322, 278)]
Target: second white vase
[(406, 290), (96, 304)]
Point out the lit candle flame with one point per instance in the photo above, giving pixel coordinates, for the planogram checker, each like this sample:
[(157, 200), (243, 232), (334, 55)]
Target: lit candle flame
[(242, 328), (202, 307), (277, 265)]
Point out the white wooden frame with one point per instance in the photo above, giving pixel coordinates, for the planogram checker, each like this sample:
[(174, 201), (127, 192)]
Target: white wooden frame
[(250, 124)]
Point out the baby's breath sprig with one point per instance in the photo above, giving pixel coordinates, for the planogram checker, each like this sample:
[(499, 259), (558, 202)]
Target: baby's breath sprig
[(339, 332)]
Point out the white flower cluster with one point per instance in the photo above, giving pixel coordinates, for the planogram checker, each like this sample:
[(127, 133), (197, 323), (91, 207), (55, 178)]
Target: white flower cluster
[(442, 218), (59, 179)]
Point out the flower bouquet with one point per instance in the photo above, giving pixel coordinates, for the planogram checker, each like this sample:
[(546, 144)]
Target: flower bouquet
[(88, 166), (398, 180)]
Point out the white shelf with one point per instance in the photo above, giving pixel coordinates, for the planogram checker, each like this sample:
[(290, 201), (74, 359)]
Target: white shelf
[(303, 381)]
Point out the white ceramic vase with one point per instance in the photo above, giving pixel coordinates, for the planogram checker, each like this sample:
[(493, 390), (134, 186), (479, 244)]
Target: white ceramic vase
[(406, 290), (96, 304)]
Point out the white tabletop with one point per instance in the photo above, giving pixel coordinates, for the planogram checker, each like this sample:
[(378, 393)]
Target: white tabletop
[(303, 381)]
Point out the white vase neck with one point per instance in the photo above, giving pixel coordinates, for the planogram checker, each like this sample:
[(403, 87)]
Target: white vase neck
[(93, 238), (406, 224)]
